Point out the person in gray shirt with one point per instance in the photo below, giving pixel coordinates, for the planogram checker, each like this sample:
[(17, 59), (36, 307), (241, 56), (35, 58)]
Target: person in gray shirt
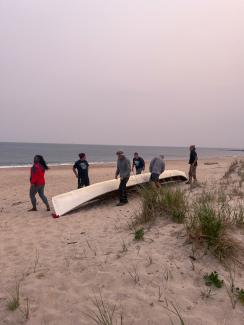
[(156, 167), (123, 170)]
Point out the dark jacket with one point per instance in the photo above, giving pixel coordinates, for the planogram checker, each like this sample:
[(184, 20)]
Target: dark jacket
[(193, 157)]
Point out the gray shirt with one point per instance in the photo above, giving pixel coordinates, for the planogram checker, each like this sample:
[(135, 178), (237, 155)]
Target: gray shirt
[(123, 168), (157, 166)]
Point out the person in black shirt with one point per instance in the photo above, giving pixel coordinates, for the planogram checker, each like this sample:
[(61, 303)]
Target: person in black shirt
[(193, 164), (138, 163), (80, 170)]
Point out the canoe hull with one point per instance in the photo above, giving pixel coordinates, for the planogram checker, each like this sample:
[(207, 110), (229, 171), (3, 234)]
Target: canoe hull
[(72, 200)]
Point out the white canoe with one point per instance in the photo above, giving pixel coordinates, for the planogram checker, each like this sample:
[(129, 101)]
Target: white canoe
[(69, 201)]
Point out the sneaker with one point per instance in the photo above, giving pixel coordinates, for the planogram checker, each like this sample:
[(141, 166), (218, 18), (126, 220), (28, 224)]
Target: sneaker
[(32, 209), (120, 204)]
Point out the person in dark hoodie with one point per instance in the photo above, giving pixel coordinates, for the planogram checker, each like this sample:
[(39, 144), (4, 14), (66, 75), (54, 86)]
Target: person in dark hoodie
[(123, 170), (37, 181), (138, 163), (193, 164), (80, 170)]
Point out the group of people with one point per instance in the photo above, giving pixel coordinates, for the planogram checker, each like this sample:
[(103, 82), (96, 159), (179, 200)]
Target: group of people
[(124, 169)]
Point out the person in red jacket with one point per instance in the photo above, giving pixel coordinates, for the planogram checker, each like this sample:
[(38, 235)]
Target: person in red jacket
[(37, 181)]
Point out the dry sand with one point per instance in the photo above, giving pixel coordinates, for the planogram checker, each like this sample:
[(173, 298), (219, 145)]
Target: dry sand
[(62, 264)]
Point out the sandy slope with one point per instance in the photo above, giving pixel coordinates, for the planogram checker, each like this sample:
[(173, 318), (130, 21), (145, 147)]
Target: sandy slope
[(61, 264)]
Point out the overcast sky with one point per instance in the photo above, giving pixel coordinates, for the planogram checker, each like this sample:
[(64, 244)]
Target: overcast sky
[(146, 72)]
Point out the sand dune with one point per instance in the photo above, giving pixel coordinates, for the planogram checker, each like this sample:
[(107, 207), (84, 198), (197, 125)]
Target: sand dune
[(62, 264)]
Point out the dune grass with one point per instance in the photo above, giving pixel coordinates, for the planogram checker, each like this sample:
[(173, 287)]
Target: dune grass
[(208, 217), (166, 201), (208, 224), (232, 168), (174, 202), (14, 301), (103, 312)]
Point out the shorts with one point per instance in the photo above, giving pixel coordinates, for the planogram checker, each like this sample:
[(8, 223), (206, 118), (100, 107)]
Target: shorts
[(83, 181), (154, 178)]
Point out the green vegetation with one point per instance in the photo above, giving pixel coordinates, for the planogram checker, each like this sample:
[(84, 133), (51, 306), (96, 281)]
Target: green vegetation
[(14, 302), (207, 224), (208, 217), (212, 279), (139, 234), (165, 201), (174, 203), (151, 207), (240, 295)]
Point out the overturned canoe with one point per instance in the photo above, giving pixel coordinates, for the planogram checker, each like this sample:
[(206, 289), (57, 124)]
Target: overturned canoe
[(69, 201)]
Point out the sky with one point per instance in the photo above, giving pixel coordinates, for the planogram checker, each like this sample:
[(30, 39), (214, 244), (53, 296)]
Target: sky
[(159, 72)]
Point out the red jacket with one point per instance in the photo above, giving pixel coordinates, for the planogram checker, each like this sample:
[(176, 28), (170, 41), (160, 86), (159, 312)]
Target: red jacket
[(37, 175)]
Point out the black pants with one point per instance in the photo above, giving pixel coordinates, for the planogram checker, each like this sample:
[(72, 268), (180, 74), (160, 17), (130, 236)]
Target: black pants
[(138, 171), (122, 190), (83, 181), (40, 190)]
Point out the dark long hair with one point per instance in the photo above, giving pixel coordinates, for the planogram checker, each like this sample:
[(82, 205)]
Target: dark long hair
[(39, 159)]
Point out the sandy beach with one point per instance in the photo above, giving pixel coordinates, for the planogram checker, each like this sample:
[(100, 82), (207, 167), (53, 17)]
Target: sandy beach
[(62, 264)]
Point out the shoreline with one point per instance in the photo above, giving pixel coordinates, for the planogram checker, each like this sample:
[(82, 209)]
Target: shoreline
[(112, 163)]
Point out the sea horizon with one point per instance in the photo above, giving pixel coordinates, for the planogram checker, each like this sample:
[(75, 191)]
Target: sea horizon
[(20, 154)]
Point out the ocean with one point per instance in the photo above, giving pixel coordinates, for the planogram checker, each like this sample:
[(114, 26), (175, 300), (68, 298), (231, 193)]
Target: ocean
[(21, 154)]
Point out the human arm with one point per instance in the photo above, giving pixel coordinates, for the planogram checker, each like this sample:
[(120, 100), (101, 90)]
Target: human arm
[(143, 164), (33, 175), (163, 167), (195, 160), (117, 171), (75, 171), (37, 175), (129, 166)]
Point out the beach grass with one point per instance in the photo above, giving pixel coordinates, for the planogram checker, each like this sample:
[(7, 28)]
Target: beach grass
[(14, 301), (164, 202)]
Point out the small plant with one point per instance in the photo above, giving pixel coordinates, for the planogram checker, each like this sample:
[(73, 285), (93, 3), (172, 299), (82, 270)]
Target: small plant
[(139, 234), (134, 274), (36, 261), (211, 226), (240, 295), (212, 279), (26, 310), (150, 260), (14, 301), (175, 311), (230, 288), (149, 197), (104, 313), (174, 203), (124, 247)]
